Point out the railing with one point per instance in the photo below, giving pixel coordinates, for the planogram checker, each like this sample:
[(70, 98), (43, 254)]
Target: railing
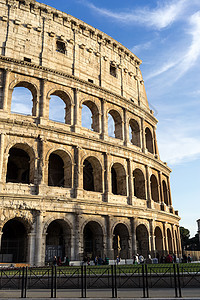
[(146, 279)]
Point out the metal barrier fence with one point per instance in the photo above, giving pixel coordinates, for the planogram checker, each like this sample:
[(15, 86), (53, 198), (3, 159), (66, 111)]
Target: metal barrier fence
[(144, 278)]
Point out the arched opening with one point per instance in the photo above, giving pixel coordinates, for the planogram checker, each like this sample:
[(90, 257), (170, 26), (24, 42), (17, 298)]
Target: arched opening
[(139, 184), (134, 132), (154, 188), (24, 99), (92, 175), (149, 140), (90, 116), (58, 240), (56, 170), (121, 241), (118, 179), (93, 240), (116, 130), (165, 192), (142, 240), (169, 238), (18, 167), (14, 242), (60, 107), (158, 241)]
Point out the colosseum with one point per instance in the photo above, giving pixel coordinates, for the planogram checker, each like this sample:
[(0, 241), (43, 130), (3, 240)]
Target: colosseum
[(80, 172)]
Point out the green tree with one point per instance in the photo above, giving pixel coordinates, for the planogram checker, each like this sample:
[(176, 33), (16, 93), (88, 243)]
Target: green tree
[(185, 234)]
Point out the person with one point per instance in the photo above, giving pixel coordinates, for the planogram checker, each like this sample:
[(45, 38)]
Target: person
[(55, 260), (189, 259), (168, 259), (67, 261), (59, 263), (99, 260), (149, 260), (141, 259), (117, 260), (184, 260), (96, 260), (174, 258)]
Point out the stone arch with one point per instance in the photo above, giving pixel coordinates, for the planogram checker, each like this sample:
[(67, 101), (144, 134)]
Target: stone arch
[(169, 239), (134, 132), (66, 98), (92, 174), (121, 239), (93, 240), (118, 179), (142, 240), (158, 241), (94, 109), (165, 192), (34, 91), (59, 168), (149, 140), (21, 164), (154, 188), (58, 239), (117, 122), (139, 184), (14, 240)]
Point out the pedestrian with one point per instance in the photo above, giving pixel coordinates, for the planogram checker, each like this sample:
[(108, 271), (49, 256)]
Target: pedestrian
[(55, 260), (174, 258), (189, 259), (141, 259), (117, 260), (96, 260), (106, 260), (99, 260), (59, 263)]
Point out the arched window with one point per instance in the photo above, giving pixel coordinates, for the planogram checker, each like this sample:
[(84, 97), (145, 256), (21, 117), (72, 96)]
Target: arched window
[(90, 116), (60, 107), (120, 241), (154, 188), (134, 133), (142, 240), (18, 167), (24, 99), (165, 192), (118, 180), (116, 131), (93, 240), (14, 241), (58, 240), (92, 175), (158, 241), (56, 171), (149, 140), (139, 184)]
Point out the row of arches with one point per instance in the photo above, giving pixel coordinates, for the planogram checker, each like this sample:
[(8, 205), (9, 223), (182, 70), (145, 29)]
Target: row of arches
[(58, 241), (21, 164), (24, 101)]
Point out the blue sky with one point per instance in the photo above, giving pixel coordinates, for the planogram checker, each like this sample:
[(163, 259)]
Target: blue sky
[(165, 34)]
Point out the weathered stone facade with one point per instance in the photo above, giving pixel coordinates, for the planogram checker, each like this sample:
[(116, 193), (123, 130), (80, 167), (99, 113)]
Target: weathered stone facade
[(66, 189)]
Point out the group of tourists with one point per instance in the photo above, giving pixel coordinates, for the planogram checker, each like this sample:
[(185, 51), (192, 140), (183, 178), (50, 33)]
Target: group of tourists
[(58, 262), (98, 261)]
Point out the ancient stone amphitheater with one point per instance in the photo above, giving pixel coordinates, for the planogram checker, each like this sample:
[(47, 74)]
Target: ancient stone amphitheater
[(66, 189)]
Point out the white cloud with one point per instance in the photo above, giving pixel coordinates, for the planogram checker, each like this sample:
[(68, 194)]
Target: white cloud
[(140, 47), (160, 17)]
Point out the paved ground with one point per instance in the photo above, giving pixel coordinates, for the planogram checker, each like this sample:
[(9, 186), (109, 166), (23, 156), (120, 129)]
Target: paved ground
[(167, 293)]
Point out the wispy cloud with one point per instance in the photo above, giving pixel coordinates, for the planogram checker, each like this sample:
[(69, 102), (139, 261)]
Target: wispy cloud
[(137, 48), (160, 17), (181, 65)]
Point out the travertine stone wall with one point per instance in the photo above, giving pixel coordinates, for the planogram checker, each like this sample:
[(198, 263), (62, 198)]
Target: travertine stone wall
[(32, 39)]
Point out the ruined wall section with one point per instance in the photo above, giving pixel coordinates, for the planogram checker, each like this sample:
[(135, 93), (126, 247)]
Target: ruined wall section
[(32, 30)]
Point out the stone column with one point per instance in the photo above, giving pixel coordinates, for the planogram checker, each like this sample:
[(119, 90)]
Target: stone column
[(161, 190), (152, 238), (130, 181), (109, 250), (148, 188), (169, 192), (155, 143), (76, 172), (173, 239), (142, 136), (38, 239), (133, 231), (126, 128), (2, 148), (76, 124), (5, 101), (43, 105), (103, 121), (165, 239), (31, 248), (138, 85)]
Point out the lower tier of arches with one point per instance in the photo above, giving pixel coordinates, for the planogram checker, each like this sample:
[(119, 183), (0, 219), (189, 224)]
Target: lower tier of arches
[(74, 235)]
